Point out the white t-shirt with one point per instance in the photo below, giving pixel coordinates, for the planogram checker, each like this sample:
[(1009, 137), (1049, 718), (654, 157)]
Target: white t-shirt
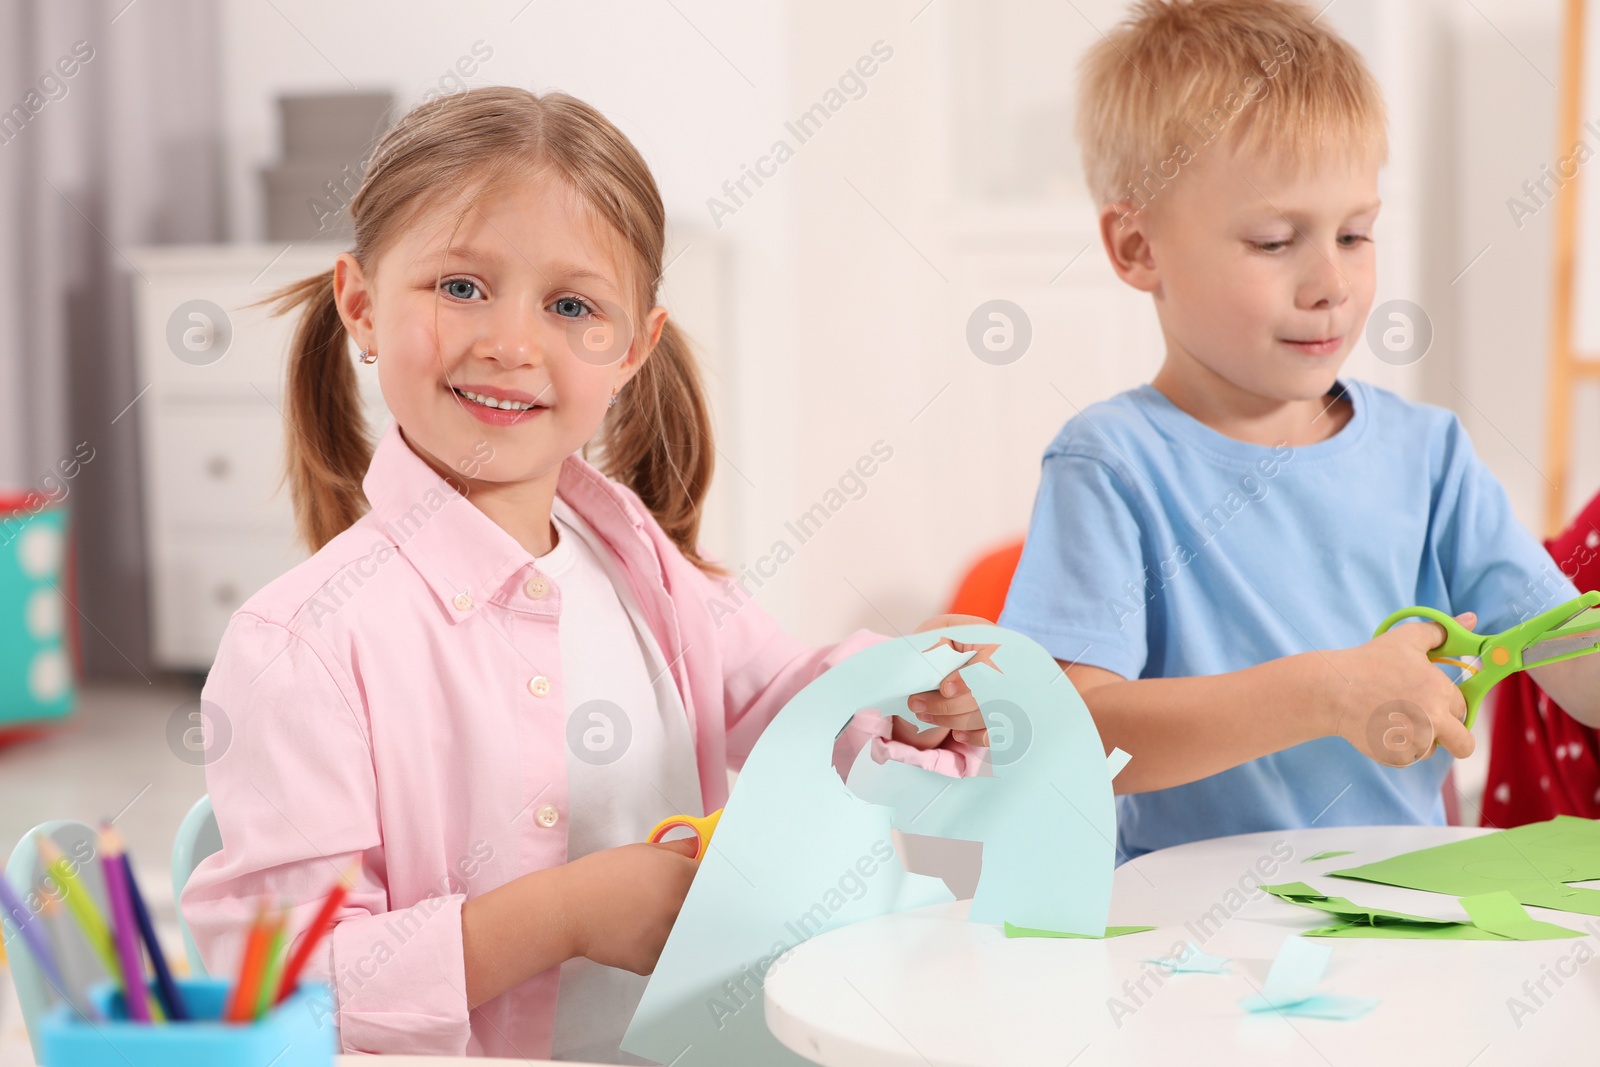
[(630, 758)]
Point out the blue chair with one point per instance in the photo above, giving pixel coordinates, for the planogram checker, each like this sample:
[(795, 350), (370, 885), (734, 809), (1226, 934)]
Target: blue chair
[(198, 837), (78, 841)]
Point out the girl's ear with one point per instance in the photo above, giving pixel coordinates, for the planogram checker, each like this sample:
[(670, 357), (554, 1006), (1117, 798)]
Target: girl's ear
[(1125, 235), (352, 294), (655, 321)]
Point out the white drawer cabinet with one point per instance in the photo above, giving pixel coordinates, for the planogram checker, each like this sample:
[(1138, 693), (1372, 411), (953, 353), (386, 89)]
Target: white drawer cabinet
[(219, 523)]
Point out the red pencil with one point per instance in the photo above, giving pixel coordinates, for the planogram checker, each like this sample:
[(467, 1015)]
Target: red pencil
[(249, 982), (315, 932)]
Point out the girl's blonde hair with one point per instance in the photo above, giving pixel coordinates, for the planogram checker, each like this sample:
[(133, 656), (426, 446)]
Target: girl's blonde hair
[(656, 440), (1179, 74)]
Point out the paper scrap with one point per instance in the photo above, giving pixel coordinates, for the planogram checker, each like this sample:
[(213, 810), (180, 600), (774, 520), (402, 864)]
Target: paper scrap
[(1116, 760), (1111, 931), (1499, 913), (1328, 855), (1193, 960), (1291, 986)]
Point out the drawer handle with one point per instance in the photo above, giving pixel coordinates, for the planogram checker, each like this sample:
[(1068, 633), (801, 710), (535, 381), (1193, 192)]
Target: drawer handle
[(218, 467), (226, 594)]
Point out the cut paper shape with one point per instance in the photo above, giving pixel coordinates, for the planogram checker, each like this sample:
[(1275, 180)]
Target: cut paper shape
[(799, 852), (1304, 895), (1193, 961), (1328, 855), (1116, 760), (1111, 931), (1291, 986), (1506, 919), (1499, 913), (1533, 863)]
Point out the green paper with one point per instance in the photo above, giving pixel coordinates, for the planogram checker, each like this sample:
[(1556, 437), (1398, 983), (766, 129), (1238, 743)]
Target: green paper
[(1351, 912), (1406, 931), (1330, 854), (1533, 863), (798, 852), (1499, 913), (1495, 917), (1111, 931)]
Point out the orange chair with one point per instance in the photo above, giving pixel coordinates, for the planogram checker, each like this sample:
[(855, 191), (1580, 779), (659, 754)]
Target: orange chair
[(982, 591)]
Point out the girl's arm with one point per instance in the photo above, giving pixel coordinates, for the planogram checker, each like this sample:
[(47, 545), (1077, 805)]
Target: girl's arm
[(296, 801), (616, 907)]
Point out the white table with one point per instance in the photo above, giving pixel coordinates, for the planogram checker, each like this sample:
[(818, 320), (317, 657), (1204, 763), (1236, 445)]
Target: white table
[(928, 988)]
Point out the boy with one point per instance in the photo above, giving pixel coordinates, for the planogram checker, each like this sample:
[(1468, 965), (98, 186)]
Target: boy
[(1210, 553)]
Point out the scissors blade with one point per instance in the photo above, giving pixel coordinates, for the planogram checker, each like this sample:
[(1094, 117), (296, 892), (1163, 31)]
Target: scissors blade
[(1581, 633)]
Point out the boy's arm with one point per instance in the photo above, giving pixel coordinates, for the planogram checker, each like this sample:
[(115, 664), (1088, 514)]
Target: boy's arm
[(1384, 697), (1575, 685)]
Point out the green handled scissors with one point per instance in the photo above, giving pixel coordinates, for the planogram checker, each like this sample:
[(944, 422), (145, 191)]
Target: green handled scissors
[(1571, 629)]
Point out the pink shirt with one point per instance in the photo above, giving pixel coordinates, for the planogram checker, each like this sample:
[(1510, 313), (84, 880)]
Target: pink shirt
[(396, 700)]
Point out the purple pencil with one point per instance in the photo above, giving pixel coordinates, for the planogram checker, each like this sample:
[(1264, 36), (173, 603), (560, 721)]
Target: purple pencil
[(28, 926), (123, 925)]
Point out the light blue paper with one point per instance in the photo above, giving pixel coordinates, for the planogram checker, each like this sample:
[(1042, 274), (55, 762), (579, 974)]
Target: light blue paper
[(798, 853), (1291, 986), (1322, 1006), (1193, 960)]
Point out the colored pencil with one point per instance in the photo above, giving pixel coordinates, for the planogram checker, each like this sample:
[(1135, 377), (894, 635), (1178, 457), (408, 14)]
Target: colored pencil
[(171, 999), (32, 934), (79, 904), (314, 933), (243, 1000), (166, 988), (272, 968), (125, 930)]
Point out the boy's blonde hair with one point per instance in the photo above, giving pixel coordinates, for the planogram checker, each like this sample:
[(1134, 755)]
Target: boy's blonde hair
[(1178, 75)]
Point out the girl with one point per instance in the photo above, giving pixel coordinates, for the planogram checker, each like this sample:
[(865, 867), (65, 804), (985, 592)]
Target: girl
[(500, 667)]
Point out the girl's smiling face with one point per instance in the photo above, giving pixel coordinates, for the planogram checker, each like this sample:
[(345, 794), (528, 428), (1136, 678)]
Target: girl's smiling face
[(500, 344)]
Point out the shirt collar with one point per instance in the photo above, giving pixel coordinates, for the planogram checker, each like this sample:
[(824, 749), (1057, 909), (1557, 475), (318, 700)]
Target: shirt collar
[(462, 554)]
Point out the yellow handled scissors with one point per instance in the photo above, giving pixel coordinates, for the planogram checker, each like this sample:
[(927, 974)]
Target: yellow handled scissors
[(702, 825), (1571, 629)]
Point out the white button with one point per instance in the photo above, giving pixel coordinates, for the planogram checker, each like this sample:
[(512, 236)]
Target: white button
[(548, 816), (539, 685), (537, 588), (463, 602)]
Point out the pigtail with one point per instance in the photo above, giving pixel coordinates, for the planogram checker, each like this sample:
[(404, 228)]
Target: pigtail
[(657, 441), (326, 443)]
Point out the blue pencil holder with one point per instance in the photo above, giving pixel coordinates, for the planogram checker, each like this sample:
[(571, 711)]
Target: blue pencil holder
[(300, 1032)]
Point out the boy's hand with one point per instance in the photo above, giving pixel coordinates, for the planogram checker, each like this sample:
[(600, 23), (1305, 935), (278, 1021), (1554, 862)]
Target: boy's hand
[(951, 708), (621, 902), (1392, 703)]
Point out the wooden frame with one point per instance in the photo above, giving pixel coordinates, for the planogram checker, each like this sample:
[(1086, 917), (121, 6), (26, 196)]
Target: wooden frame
[(1567, 366)]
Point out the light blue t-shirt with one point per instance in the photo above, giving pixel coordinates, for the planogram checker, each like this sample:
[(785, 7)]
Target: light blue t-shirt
[(1160, 548)]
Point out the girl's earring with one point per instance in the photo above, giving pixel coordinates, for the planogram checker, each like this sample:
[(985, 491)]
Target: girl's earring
[(613, 401), (368, 356)]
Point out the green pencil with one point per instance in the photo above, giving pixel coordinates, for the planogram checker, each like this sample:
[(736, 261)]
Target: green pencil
[(272, 970)]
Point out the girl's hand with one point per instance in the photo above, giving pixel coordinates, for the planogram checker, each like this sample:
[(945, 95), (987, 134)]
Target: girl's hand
[(1389, 700), (621, 902), (951, 708)]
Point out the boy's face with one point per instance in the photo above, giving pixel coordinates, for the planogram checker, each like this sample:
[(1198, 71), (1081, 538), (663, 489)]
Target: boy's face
[(1262, 273)]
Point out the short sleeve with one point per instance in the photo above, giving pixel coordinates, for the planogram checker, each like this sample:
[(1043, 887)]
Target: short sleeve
[(1491, 564), (1079, 587), (292, 785)]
